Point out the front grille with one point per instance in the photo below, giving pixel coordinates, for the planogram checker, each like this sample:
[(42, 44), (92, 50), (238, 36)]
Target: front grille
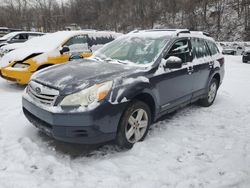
[(42, 94)]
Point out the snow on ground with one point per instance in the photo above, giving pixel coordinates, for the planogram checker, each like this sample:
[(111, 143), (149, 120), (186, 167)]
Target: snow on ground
[(194, 148)]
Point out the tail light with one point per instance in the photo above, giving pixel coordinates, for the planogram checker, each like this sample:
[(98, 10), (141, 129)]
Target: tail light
[(221, 61)]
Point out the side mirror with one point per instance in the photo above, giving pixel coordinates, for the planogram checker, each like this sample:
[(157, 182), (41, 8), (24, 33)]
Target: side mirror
[(172, 62), (75, 57), (64, 50)]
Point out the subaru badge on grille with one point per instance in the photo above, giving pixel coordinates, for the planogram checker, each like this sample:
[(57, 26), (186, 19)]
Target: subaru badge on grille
[(38, 90)]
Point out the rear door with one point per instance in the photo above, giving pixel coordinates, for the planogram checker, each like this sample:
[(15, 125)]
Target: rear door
[(202, 65)]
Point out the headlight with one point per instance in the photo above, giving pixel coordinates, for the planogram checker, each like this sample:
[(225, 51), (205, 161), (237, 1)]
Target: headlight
[(88, 96), (21, 65), (7, 51), (1, 52)]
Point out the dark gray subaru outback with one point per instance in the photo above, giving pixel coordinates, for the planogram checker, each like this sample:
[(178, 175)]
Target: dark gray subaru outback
[(126, 86)]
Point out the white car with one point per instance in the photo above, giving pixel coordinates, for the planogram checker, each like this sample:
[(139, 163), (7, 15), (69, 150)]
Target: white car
[(10, 47), (18, 37)]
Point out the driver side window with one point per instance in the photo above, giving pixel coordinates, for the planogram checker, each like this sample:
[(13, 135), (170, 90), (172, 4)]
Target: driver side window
[(77, 43), (180, 49), (21, 37)]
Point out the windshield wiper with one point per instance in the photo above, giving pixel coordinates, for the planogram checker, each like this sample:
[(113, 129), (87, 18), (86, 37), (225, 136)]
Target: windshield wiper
[(97, 58), (116, 60)]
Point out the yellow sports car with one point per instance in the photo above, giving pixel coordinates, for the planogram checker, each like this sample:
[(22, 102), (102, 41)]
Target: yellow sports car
[(51, 49)]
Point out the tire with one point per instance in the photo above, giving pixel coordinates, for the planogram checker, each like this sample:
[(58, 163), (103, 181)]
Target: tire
[(137, 113), (211, 94)]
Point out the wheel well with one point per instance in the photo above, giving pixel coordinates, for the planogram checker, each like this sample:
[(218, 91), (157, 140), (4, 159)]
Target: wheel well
[(44, 66), (217, 77), (148, 99)]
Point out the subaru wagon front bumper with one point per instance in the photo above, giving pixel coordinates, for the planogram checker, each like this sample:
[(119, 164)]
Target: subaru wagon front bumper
[(90, 127)]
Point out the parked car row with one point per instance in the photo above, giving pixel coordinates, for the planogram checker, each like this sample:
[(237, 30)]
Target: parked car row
[(51, 49), (236, 48), (18, 37), (120, 90), (6, 30)]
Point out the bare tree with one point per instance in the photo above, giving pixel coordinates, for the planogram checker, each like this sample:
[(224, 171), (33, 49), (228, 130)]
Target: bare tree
[(119, 15)]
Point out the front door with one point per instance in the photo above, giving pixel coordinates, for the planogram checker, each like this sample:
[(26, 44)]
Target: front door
[(175, 85), (78, 46)]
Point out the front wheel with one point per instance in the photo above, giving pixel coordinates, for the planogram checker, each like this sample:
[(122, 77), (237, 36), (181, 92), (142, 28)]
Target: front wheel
[(134, 124), (211, 94)]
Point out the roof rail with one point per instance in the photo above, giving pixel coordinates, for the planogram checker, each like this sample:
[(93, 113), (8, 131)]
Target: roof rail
[(134, 31), (180, 31), (161, 30), (206, 34), (193, 32)]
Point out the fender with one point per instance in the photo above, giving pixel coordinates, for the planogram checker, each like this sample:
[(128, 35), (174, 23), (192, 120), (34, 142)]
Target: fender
[(214, 72), (126, 93)]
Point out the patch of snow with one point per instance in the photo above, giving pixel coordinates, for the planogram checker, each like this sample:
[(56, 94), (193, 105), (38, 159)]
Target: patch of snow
[(78, 48), (119, 93), (129, 81), (161, 69), (42, 58), (16, 69), (124, 100), (64, 79)]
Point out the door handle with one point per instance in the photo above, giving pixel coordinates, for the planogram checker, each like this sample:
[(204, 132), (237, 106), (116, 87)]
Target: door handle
[(190, 70)]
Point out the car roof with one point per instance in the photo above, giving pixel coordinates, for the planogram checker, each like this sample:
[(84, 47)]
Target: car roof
[(172, 33), (24, 32), (69, 34)]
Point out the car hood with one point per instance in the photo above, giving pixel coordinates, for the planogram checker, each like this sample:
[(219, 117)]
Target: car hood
[(13, 46), (2, 40), (75, 76), (20, 54)]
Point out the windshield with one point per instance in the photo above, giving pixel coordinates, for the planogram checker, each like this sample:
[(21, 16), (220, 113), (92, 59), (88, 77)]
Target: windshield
[(8, 36), (132, 48)]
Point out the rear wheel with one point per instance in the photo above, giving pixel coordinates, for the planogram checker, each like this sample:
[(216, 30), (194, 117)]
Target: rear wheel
[(211, 94), (134, 124)]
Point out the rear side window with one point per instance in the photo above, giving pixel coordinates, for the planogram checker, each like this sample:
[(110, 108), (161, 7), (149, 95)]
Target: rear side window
[(78, 43), (80, 39), (100, 40), (30, 36), (199, 48), (21, 37), (213, 48)]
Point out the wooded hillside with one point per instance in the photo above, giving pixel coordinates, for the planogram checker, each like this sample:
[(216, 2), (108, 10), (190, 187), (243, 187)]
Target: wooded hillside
[(224, 19)]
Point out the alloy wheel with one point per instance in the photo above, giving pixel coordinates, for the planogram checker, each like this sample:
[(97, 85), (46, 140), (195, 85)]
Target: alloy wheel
[(136, 126), (212, 92)]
